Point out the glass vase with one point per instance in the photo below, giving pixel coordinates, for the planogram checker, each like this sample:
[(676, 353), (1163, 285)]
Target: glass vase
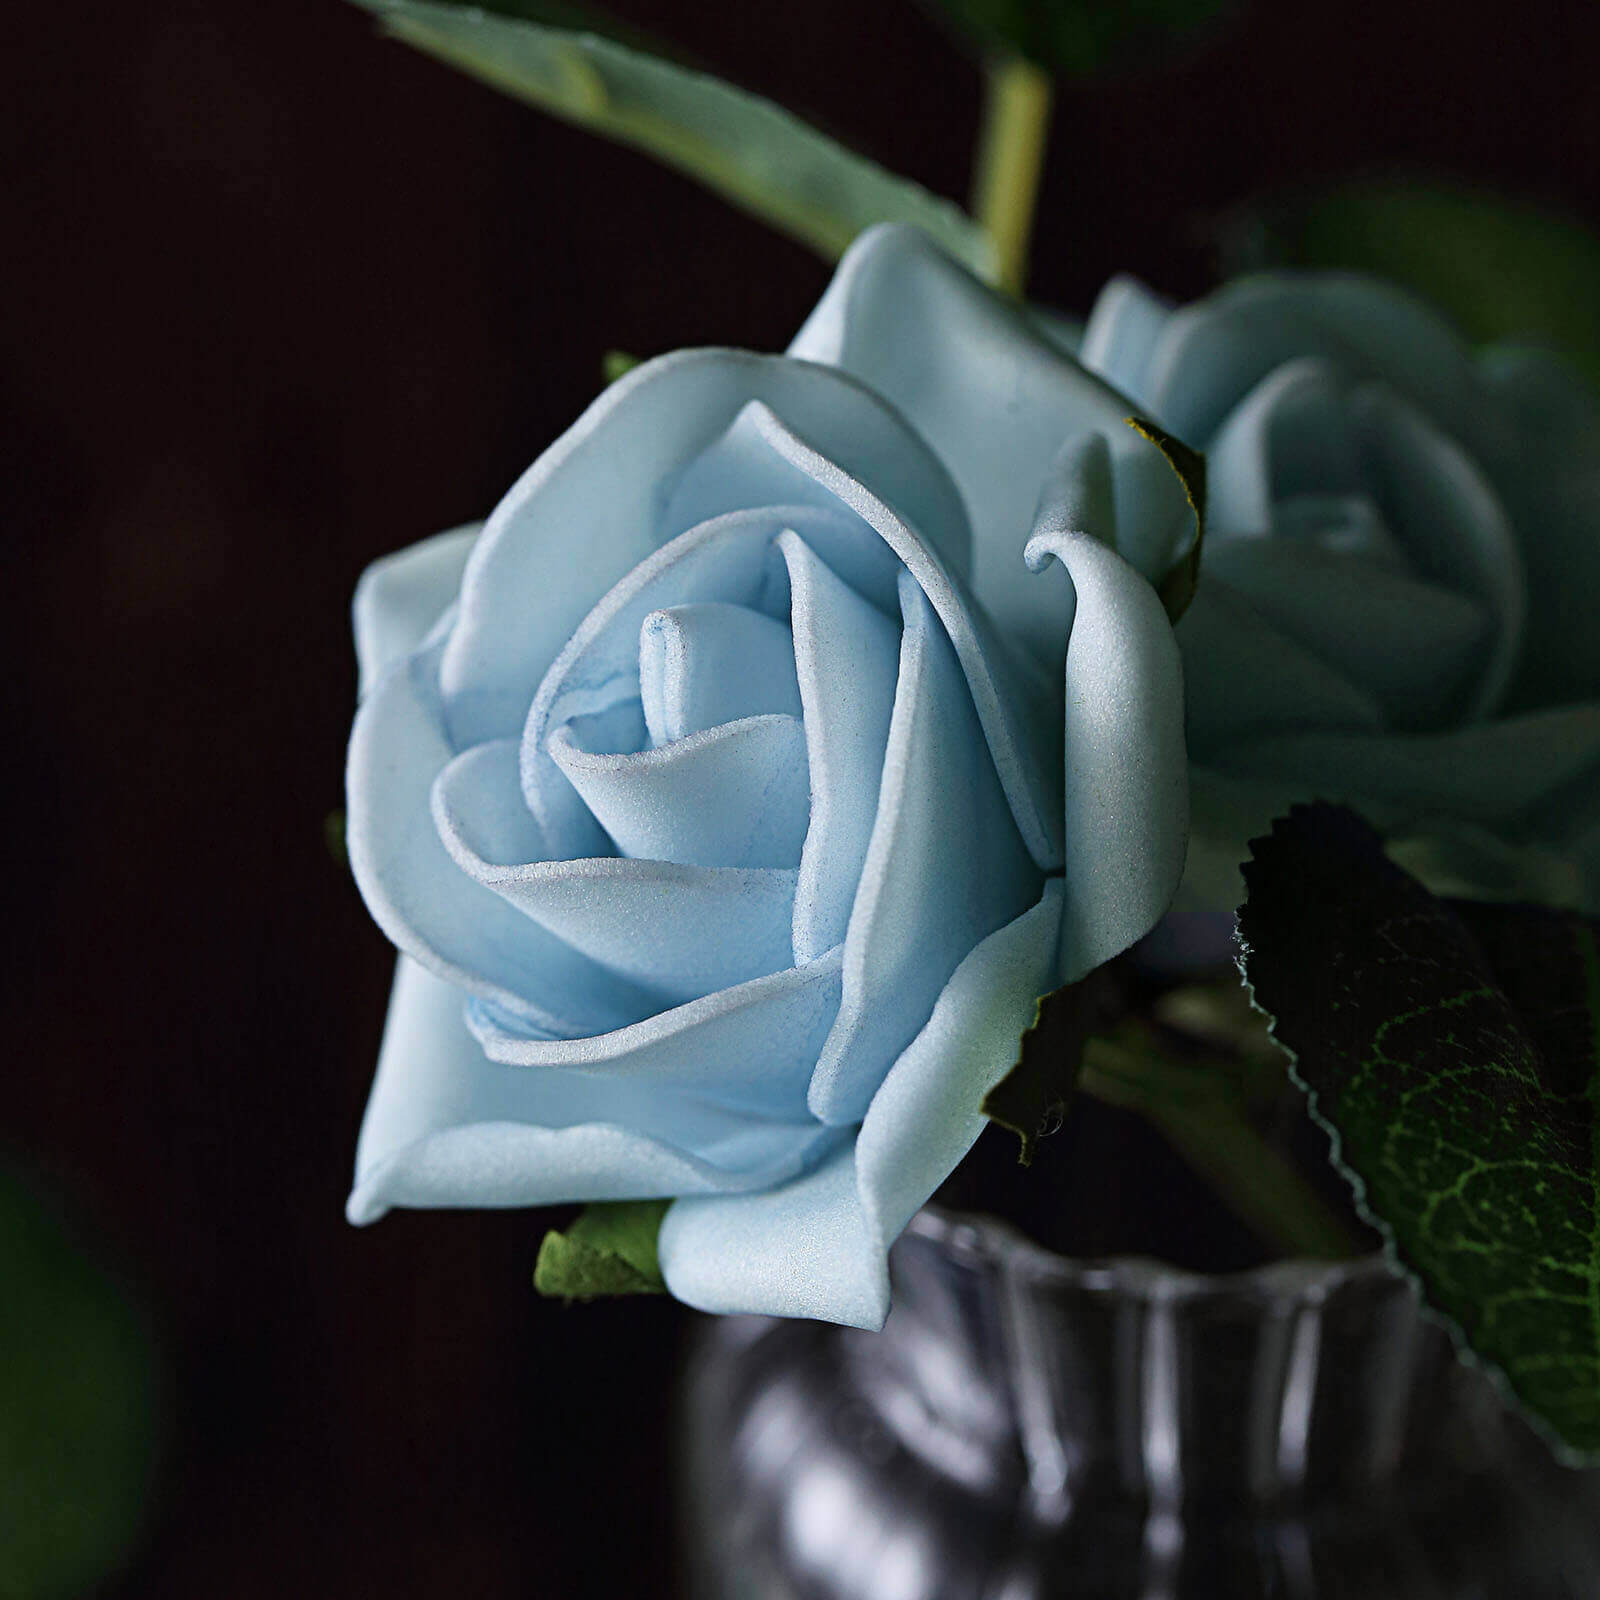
[(1028, 1427)]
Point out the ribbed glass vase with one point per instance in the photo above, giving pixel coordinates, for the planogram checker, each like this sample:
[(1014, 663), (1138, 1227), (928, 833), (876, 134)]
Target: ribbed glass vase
[(1028, 1427)]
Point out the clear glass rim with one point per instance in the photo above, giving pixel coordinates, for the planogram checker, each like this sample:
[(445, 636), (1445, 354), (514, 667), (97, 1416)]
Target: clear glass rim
[(977, 1236)]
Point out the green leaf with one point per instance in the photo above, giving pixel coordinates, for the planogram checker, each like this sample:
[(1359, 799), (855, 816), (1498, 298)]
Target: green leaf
[(1452, 1050), (616, 364), (1502, 269), (1078, 37), (610, 1249), (748, 150), (77, 1408), (1031, 1100), (333, 835), (1178, 586)]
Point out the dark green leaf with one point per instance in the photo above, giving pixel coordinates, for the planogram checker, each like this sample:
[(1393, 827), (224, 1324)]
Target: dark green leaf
[(77, 1408), (1080, 36), (1178, 587), (1453, 1052), (610, 1249), (750, 151), (1502, 269), (1032, 1098)]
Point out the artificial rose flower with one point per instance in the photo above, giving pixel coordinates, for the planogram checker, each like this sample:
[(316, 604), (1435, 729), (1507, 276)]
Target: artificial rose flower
[(787, 729), (1396, 607)]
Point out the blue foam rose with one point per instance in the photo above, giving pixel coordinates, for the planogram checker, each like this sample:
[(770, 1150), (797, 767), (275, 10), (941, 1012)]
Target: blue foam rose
[(1397, 600), (787, 729)]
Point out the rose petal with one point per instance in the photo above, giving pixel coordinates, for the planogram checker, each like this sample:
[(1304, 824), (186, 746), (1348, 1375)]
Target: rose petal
[(818, 1247), (1013, 705), (945, 868), (703, 664), (590, 509), (1242, 677), (846, 653), (401, 596), (1125, 324), (734, 796), (678, 932), (421, 898), (1126, 808), (447, 1127), (993, 397), (750, 1047), (1212, 353)]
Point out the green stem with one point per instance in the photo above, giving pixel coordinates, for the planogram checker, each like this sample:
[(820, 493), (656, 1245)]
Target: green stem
[(1010, 159), (1200, 1112)]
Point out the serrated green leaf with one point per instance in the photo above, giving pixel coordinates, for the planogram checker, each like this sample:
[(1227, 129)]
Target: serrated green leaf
[(1501, 268), (1453, 1052), (750, 151), (1078, 37), (1031, 1100), (609, 1250), (1177, 588)]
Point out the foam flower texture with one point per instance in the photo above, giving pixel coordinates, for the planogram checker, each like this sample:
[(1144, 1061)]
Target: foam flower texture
[(1402, 560), (788, 728)]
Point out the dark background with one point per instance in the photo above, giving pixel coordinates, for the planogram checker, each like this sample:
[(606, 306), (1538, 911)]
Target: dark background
[(279, 297)]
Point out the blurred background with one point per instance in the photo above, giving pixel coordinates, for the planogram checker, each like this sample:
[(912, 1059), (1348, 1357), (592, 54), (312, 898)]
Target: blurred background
[(280, 296)]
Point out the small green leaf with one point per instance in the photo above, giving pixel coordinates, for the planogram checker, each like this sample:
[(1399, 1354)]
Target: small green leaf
[(750, 151), (1079, 37), (1178, 587), (78, 1408), (1452, 1050), (1501, 268), (616, 364), (1031, 1100), (610, 1249)]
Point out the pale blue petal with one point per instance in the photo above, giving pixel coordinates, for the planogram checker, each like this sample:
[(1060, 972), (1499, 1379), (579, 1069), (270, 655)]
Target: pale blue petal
[(704, 664), (894, 462), (751, 1047), (423, 901), (678, 932), (1013, 703), (401, 596), (447, 1127), (977, 380), (847, 655), (1213, 352), (1124, 325), (1242, 677), (591, 509), (929, 1111), (731, 558), (803, 1250), (1063, 332), (819, 1247), (944, 869), (1126, 808), (734, 796)]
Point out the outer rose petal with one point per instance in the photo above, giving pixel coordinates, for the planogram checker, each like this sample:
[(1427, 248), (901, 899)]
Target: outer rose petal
[(1126, 793), (819, 1247), (401, 596), (993, 397), (447, 1127)]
